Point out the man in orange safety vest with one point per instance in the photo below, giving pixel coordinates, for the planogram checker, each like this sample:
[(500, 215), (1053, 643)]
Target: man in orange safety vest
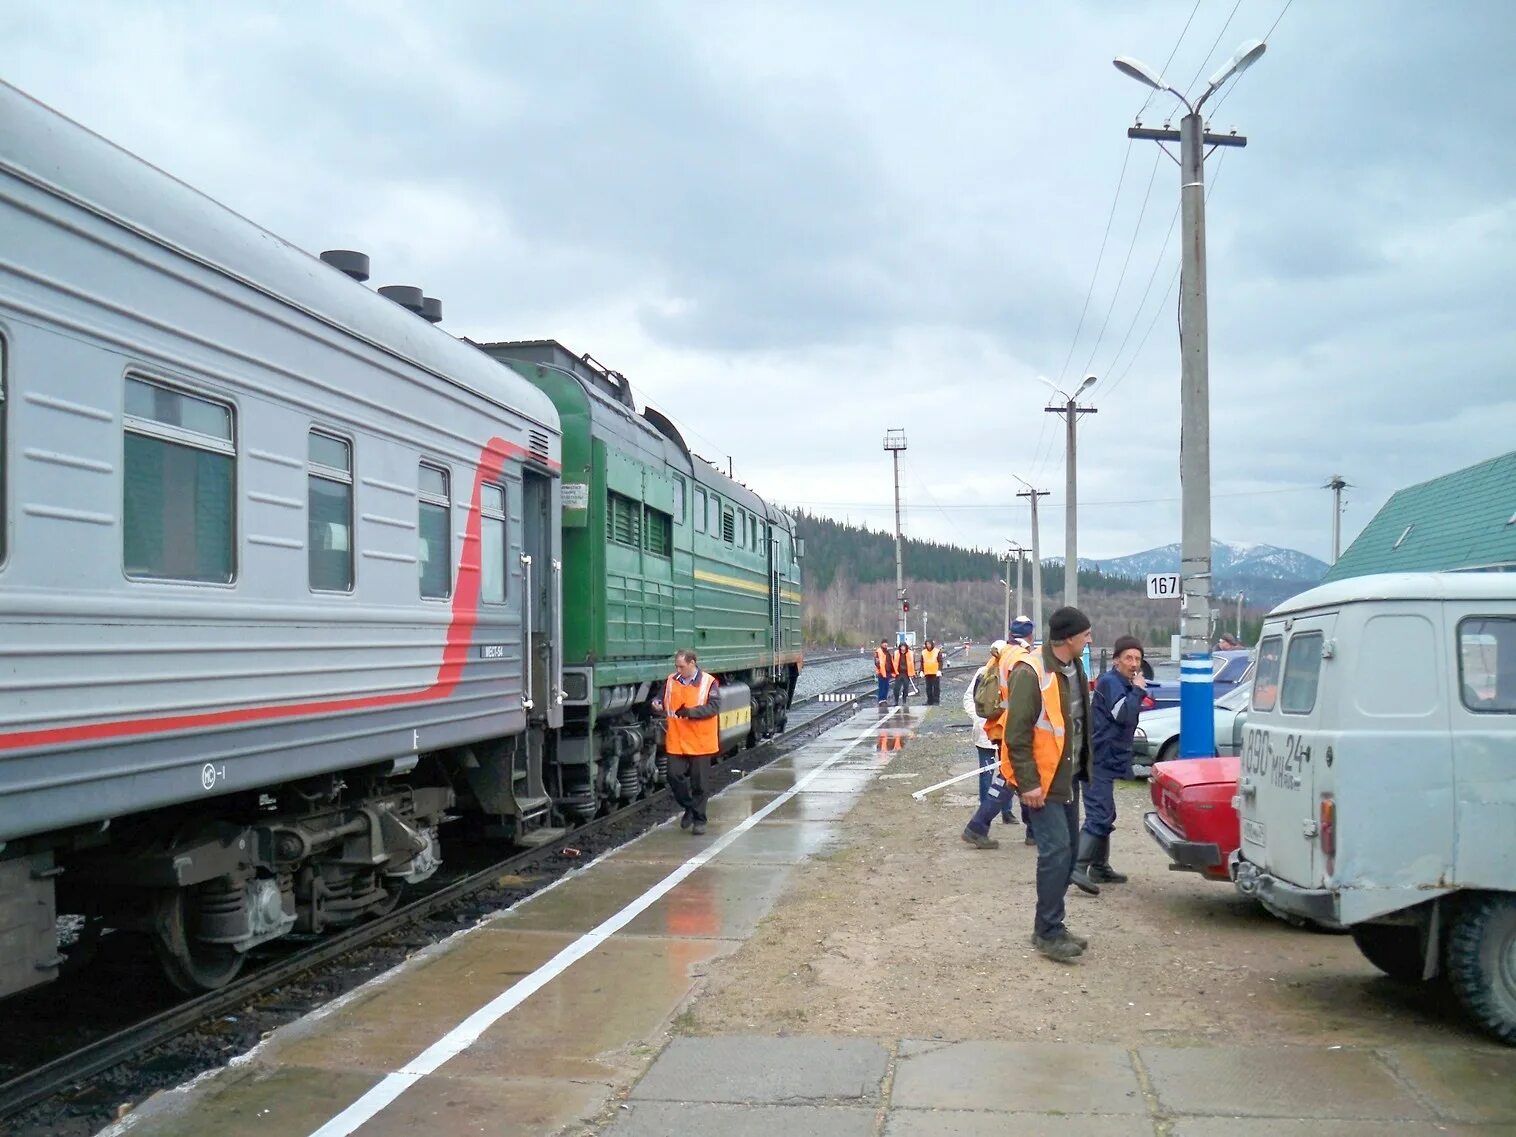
[(692, 734)]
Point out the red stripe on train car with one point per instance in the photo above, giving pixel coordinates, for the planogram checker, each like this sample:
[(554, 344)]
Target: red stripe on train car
[(460, 631)]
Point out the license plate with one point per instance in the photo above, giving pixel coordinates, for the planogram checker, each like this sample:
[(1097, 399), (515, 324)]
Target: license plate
[(1252, 832)]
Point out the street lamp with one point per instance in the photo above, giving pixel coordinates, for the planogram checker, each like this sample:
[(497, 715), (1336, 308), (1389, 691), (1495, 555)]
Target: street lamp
[(1197, 725)]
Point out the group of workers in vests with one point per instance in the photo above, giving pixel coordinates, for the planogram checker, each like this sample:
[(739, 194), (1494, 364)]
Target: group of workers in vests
[(1044, 738), (897, 666)]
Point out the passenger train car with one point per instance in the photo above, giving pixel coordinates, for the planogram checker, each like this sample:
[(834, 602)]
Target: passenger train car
[(287, 580)]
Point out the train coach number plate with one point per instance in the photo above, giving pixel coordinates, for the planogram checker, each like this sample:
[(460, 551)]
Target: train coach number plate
[(491, 651)]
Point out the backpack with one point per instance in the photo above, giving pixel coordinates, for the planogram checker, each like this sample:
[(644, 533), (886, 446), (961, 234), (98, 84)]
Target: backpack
[(987, 694)]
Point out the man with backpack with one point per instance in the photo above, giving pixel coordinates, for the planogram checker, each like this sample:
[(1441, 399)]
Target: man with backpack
[(981, 702), (991, 689)]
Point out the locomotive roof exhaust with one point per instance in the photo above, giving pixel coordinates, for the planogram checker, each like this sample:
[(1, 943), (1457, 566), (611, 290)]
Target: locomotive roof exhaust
[(407, 296), (431, 309), (348, 262)]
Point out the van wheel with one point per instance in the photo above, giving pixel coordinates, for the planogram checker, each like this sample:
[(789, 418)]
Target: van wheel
[(1393, 948), (1168, 752), (1481, 963)]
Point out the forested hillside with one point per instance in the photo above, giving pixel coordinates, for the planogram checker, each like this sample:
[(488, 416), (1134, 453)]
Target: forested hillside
[(849, 575)]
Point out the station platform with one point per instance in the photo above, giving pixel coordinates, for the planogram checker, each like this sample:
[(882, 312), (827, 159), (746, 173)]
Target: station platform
[(831, 959)]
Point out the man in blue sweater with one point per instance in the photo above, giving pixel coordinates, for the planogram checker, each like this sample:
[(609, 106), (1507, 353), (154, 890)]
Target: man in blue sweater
[(1114, 708)]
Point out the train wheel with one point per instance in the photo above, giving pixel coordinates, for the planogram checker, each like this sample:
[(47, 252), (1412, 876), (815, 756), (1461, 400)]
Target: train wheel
[(190, 965)]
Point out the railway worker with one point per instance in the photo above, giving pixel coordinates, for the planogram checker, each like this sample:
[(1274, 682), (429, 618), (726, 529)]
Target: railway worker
[(692, 734), (1045, 755), (1114, 708), (884, 671), (905, 671), (996, 793), (931, 670), (986, 734)]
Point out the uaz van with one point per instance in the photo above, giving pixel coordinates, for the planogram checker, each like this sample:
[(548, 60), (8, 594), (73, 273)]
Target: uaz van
[(1377, 790)]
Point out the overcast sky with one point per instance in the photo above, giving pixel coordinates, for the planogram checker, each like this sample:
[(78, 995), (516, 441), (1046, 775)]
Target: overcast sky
[(794, 226)]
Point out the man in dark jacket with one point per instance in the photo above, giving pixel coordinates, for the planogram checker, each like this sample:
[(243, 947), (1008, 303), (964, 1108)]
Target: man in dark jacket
[(1114, 708)]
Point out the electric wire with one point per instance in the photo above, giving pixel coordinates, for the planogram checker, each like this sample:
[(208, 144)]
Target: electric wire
[(1154, 93), (1126, 262), (1189, 90), (983, 506), (1227, 94), (1094, 276)]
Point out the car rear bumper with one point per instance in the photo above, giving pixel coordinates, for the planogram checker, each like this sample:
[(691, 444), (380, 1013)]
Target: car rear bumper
[(1186, 856), (1318, 905)]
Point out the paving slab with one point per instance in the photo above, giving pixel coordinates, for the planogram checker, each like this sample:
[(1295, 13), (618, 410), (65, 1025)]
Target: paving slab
[(1016, 1076), (659, 1119), (1299, 1082), (1326, 1127), (981, 1123), (718, 901), (762, 844), (766, 1071), (1461, 1084)]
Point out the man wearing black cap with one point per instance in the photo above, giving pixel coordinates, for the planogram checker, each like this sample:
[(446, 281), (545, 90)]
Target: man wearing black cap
[(1048, 750), (1114, 708)]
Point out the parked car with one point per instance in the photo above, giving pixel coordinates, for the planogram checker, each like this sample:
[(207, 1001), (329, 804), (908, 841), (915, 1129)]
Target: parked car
[(1376, 775), (1194, 820), (1227, 670), (1157, 737)]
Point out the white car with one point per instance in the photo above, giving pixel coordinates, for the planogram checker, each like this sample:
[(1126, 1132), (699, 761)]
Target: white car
[(1157, 737)]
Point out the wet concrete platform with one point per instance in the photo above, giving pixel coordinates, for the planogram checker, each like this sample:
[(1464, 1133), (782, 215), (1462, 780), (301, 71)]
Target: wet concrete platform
[(730, 1086), (530, 1022)]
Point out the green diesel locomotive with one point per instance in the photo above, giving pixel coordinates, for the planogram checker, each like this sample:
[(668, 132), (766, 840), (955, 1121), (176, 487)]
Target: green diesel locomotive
[(661, 550)]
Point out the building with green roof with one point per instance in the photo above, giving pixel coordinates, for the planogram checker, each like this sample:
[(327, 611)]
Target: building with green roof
[(1462, 520)]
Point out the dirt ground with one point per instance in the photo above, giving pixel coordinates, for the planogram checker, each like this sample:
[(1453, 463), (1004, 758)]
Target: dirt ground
[(907, 932)]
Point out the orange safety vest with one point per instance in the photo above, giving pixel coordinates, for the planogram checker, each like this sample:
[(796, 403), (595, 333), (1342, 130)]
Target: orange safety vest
[(931, 661), (994, 728), (1047, 737), (910, 662), (883, 663), (690, 738)]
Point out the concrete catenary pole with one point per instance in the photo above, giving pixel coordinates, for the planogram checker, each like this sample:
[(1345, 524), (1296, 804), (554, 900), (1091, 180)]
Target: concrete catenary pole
[(1336, 485), (1032, 495), (1071, 410), (894, 442), (1197, 721)]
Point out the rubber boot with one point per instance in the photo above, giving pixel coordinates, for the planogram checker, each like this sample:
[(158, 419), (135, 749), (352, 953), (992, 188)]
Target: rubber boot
[(1088, 850), (1100, 871)]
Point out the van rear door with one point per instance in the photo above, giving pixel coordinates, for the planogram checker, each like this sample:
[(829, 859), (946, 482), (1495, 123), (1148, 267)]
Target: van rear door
[(1284, 739)]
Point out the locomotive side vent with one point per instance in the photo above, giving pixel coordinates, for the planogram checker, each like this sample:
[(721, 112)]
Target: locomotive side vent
[(538, 442)]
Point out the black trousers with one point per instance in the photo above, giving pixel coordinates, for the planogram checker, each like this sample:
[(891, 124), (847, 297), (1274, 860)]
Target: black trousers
[(902, 690), (933, 690), (687, 782)]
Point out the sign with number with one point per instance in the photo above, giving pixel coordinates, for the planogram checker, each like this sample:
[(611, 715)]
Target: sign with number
[(1163, 586)]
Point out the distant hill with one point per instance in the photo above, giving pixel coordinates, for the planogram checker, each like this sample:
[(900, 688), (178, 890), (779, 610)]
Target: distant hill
[(1264, 574)]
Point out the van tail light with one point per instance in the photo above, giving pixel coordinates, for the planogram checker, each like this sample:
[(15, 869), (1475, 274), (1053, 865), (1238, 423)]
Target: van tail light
[(1327, 829), (1147, 703)]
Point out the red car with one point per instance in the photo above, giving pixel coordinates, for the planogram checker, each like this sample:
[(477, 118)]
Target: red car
[(1196, 823)]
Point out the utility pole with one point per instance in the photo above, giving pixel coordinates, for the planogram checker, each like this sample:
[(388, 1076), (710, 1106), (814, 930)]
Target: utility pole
[(1336, 485), (1032, 495), (894, 442), (1197, 720), (1071, 410), (1012, 547)]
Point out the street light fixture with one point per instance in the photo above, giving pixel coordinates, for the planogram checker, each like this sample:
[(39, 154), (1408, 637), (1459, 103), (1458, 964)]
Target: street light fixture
[(1197, 724)]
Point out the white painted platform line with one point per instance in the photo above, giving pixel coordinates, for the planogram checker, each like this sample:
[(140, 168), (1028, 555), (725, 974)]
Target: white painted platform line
[(466, 1033)]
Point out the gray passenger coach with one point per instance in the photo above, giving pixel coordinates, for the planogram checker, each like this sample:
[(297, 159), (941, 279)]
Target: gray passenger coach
[(271, 546)]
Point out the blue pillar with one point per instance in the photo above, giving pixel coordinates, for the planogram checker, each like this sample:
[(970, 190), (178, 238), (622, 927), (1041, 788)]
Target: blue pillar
[(1197, 699)]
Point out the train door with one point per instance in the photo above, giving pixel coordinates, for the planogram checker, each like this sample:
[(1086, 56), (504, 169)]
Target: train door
[(776, 616), (541, 574)]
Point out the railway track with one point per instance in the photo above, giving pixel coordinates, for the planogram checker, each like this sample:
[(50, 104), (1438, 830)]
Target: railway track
[(58, 1078)]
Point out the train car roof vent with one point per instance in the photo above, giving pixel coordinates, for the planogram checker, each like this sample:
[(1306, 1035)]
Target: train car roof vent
[(404, 295), (348, 262), (431, 309)]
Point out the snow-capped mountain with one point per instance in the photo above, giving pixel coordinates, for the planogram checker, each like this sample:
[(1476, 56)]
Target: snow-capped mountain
[(1268, 562)]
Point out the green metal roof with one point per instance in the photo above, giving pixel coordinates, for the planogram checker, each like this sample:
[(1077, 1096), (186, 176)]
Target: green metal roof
[(1462, 520)]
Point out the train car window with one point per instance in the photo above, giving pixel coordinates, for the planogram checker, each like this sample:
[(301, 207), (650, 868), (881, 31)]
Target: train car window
[(434, 557), (329, 513), (623, 520), (728, 526), (715, 515), (2, 453), (492, 544), (658, 528), (679, 500), (699, 510), (178, 517)]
